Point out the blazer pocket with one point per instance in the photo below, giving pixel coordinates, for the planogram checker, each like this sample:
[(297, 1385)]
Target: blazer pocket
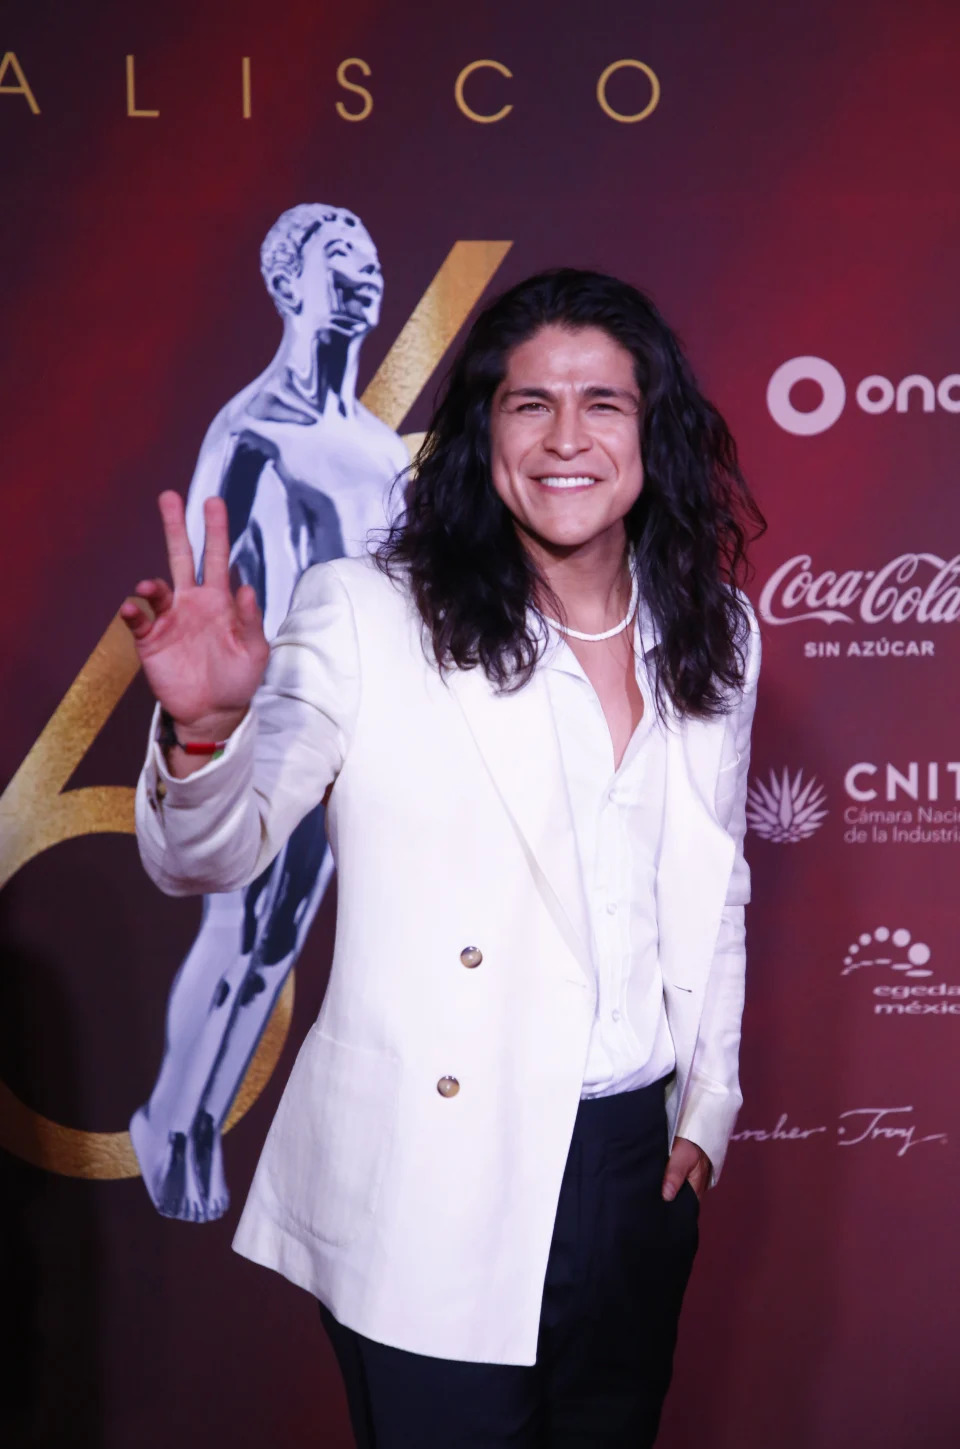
[(331, 1136)]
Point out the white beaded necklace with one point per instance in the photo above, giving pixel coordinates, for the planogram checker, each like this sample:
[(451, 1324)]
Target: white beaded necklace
[(608, 633)]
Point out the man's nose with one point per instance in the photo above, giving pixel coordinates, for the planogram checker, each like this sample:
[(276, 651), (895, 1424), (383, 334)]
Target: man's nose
[(567, 435)]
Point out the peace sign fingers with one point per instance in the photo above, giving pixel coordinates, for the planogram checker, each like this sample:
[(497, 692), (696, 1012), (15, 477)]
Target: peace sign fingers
[(216, 544), (179, 552)]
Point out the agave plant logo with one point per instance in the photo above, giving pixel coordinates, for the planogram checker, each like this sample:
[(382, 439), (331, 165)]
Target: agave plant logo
[(786, 809)]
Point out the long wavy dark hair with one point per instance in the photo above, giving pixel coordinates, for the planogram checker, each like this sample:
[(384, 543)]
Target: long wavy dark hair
[(456, 546)]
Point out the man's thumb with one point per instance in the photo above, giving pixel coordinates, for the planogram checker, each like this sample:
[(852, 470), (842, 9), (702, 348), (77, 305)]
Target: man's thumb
[(672, 1183)]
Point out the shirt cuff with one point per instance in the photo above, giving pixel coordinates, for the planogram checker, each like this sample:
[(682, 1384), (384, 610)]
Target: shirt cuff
[(708, 1119)]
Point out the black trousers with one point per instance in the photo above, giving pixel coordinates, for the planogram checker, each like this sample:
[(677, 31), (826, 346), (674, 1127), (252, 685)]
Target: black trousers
[(619, 1263)]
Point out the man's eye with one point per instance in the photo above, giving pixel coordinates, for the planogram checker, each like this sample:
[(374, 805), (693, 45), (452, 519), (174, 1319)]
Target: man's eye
[(532, 407), (604, 407)]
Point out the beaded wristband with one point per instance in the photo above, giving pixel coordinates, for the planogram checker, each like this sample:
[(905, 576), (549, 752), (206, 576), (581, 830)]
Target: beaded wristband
[(167, 737)]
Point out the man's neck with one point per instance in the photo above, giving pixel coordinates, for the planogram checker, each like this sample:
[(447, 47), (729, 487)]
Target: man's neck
[(592, 582), (322, 368)]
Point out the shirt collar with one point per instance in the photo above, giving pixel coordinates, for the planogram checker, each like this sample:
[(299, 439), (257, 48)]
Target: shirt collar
[(648, 632)]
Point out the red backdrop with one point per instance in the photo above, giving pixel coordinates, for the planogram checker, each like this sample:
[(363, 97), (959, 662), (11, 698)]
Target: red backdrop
[(792, 195)]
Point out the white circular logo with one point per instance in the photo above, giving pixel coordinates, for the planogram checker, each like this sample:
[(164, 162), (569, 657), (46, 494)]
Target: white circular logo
[(875, 394), (806, 369)]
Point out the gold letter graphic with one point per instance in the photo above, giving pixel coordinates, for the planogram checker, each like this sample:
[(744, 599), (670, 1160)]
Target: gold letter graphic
[(132, 92), (349, 85), (247, 108), (461, 81), (22, 88), (651, 105), (37, 812)]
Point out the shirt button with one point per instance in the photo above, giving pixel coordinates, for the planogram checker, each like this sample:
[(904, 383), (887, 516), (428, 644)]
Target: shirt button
[(471, 956), (615, 1015), (611, 908), (448, 1086)]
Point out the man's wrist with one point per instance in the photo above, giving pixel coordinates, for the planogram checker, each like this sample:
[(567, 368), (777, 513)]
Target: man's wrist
[(203, 735), (188, 748)]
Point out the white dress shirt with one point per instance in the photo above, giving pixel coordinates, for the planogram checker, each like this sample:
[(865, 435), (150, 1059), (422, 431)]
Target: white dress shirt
[(618, 823)]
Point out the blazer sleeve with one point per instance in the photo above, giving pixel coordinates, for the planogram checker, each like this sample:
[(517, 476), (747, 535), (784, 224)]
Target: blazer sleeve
[(713, 1096), (219, 828)]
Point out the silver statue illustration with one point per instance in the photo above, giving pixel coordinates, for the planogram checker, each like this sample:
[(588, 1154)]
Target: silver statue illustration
[(306, 471)]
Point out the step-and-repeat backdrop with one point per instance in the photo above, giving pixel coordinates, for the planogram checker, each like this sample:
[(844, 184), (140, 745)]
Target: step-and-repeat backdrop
[(200, 201)]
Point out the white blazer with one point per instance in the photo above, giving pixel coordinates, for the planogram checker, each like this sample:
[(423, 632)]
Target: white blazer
[(422, 1220)]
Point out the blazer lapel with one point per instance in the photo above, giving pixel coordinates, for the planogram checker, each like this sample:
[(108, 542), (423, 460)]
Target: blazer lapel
[(696, 854), (517, 739)]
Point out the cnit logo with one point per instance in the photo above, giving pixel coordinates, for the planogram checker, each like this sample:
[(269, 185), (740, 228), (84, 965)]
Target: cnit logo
[(874, 394), (863, 781)]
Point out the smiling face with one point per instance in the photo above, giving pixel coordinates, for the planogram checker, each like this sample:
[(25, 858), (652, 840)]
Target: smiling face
[(565, 438)]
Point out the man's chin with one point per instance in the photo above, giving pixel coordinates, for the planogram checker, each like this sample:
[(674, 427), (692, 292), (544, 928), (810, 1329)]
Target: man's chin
[(562, 542)]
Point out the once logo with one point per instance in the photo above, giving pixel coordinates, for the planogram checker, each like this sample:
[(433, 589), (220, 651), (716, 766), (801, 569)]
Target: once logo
[(806, 369), (786, 810), (874, 394)]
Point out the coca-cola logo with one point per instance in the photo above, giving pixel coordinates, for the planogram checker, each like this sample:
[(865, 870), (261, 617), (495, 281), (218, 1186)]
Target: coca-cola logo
[(920, 588)]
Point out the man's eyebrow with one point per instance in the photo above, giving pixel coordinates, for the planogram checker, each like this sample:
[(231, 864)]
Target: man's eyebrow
[(594, 390), (602, 390), (537, 392)]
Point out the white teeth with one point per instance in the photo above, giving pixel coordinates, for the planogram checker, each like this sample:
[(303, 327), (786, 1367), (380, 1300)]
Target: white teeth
[(567, 482)]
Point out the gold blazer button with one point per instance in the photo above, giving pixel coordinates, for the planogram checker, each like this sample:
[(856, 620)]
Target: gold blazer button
[(471, 956), (448, 1086)]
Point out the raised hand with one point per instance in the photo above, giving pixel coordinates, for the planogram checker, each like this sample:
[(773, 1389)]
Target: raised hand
[(203, 650)]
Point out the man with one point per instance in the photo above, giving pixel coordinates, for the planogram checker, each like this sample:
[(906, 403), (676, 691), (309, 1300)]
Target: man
[(304, 470), (534, 712)]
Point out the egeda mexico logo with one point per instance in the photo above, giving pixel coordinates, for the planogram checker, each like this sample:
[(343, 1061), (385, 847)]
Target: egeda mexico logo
[(896, 968), (874, 394)]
